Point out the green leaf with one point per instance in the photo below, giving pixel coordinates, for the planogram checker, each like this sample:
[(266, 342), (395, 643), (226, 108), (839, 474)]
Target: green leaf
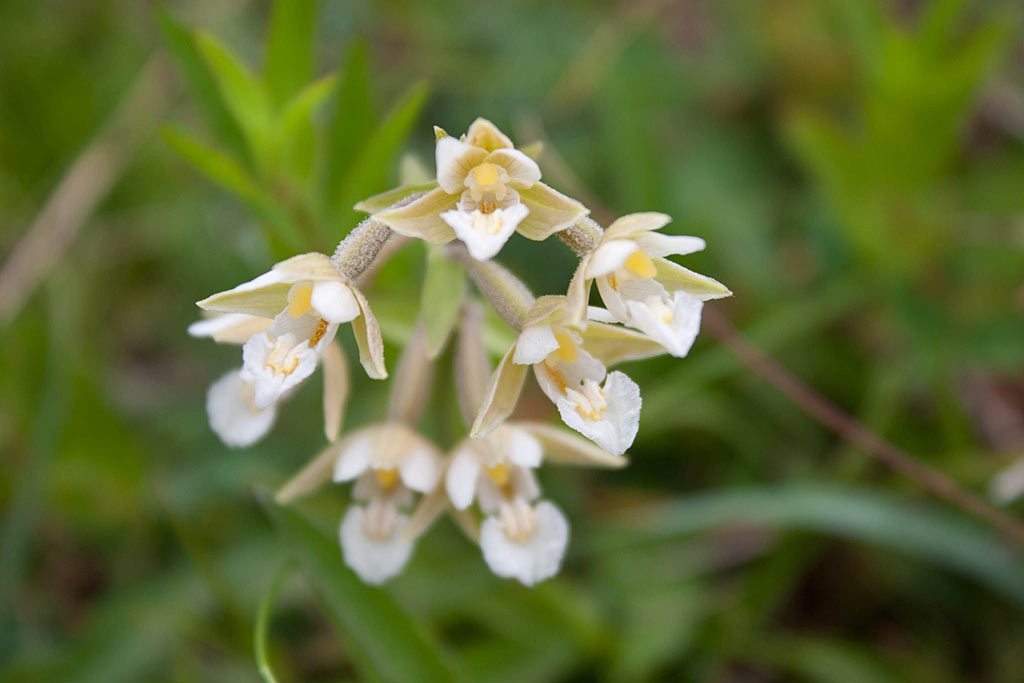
[(203, 85), (217, 166), (384, 642), (261, 629), (290, 48), (352, 120), (368, 173), (927, 532), (443, 287), (294, 133)]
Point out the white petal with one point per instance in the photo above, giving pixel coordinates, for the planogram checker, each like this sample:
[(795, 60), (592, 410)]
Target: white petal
[(678, 334), (657, 245), (485, 234), (601, 315), (420, 469), (536, 560), (354, 457), (569, 374), (455, 159), (373, 560), (229, 327), (1008, 485), (522, 170), (289, 336), (334, 301), (609, 257), (460, 479), (612, 299), (534, 344), (620, 421), (520, 447), (233, 416)]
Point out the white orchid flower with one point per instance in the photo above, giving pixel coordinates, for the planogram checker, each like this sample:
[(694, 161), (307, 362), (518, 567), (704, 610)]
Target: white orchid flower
[(307, 299), (640, 287), (233, 414), (486, 190), (569, 363), (389, 463)]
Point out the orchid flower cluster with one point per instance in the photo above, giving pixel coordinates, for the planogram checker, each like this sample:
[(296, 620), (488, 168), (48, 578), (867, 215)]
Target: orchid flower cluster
[(485, 189)]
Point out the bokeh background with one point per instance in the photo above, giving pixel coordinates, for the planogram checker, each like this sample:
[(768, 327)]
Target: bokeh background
[(857, 168)]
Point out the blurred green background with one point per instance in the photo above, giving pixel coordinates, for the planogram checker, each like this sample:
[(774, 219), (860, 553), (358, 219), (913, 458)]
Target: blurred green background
[(857, 168)]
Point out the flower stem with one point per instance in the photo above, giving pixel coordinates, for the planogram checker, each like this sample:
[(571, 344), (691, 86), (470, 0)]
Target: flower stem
[(506, 293)]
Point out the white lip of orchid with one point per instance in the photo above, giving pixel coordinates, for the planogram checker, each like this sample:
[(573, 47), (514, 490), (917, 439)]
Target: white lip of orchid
[(280, 357), (380, 519), (518, 520), (493, 468)]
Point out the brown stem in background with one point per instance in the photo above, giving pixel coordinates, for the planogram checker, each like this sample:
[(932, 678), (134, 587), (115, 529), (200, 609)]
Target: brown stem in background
[(846, 426)]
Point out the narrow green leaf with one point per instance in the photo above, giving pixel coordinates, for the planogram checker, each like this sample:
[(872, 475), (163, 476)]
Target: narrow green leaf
[(443, 287), (352, 120), (930, 533), (203, 85), (261, 631), (384, 642), (368, 173), (216, 165), (290, 48)]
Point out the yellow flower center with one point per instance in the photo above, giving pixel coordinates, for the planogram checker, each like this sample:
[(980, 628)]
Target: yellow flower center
[(486, 174), (639, 263), (498, 474), (386, 478), (321, 330), (298, 300)]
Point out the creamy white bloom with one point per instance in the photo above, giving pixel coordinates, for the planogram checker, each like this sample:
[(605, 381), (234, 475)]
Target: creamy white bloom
[(286, 353), (483, 467), (233, 414), (523, 542), (372, 540), (486, 190)]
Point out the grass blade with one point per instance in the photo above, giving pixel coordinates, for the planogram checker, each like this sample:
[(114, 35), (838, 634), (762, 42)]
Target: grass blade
[(290, 48)]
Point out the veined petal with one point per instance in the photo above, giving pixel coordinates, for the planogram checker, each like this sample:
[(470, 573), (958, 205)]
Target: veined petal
[(455, 159), (385, 200), (229, 328), (629, 225), (550, 211), (374, 560), (336, 387), (461, 476), (610, 256), (422, 218), (534, 344), (657, 245), (578, 295), (539, 558), (233, 415), (612, 344), (502, 395), (675, 278), (562, 447), (354, 455), (484, 234), (522, 170), (334, 301), (366, 330), (483, 133)]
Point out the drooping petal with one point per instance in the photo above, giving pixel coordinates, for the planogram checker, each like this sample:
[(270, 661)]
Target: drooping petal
[(229, 328), (613, 344), (523, 171), (420, 468), (534, 344), (354, 456), (610, 256), (233, 415), (554, 380), (366, 331), (563, 447), (334, 301), (618, 425), (550, 211), (502, 395), (520, 447), (386, 200), (422, 218), (461, 477), (265, 296), (455, 159), (539, 558), (483, 133), (277, 360), (674, 325), (374, 560), (657, 245), (336, 387), (578, 295), (484, 234), (675, 278), (629, 225)]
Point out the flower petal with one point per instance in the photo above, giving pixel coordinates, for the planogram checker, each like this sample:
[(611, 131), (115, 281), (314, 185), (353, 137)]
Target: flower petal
[(535, 343), (461, 476), (229, 328), (485, 234), (429, 509), (620, 421), (675, 278), (336, 387), (366, 330), (613, 344), (265, 296), (534, 561), (502, 395), (550, 211), (483, 133), (373, 560), (610, 256), (422, 218), (520, 447), (334, 301), (629, 225), (562, 447), (420, 468), (354, 455), (657, 245), (233, 416), (578, 295), (678, 333), (522, 170), (455, 159), (312, 266), (385, 200)]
